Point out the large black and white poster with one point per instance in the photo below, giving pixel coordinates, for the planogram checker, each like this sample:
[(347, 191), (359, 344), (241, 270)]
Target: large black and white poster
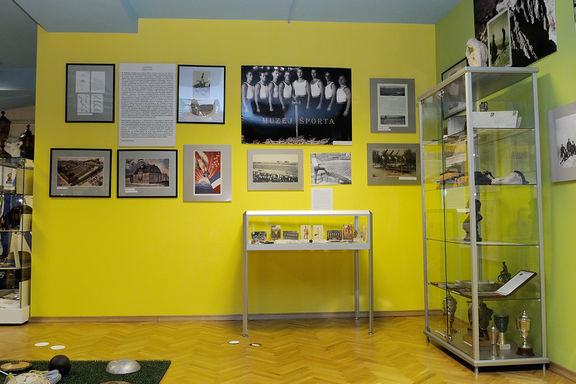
[(532, 26), (296, 105)]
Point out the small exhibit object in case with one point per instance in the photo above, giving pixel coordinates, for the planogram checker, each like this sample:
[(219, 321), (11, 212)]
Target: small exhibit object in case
[(290, 235), (275, 232), (318, 232), (333, 235), (306, 231)]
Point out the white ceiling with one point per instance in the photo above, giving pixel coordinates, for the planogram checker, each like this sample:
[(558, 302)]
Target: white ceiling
[(18, 19)]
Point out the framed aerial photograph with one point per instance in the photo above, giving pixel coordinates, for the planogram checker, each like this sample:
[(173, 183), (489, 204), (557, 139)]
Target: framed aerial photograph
[(90, 93), (562, 142), (201, 91), (392, 106), (396, 164), (454, 68), (207, 173), (499, 48), (76, 172), (296, 105), (275, 169), (147, 173)]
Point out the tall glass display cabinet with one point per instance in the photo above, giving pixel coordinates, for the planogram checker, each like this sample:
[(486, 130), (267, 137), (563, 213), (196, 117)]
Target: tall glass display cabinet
[(482, 207), (15, 239)]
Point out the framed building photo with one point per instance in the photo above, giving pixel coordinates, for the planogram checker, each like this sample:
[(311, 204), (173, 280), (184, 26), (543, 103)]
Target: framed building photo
[(90, 93), (397, 164), (562, 142), (275, 169), (392, 106), (207, 173), (201, 91), (76, 172), (147, 173), (296, 105)]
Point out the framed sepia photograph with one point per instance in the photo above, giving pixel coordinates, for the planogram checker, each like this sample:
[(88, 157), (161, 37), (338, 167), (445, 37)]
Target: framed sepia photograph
[(76, 172), (207, 173), (562, 142), (499, 48), (275, 169), (296, 105), (393, 164), (147, 173), (392, 106), (90, 93), (201, 91)]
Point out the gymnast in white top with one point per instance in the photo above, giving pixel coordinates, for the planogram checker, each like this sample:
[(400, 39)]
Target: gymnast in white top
[(261, 91), (247, 92), (274, 90), (316, 89), (329, 90), (286, 90), (343, 95), (301, 88)]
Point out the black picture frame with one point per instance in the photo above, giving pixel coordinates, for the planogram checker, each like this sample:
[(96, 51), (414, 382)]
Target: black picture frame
[(147, 173), (201, 94), (80, 172), (90, 90), (462, 63)]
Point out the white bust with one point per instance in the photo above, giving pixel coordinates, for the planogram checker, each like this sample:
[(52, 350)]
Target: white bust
[(476, 53)]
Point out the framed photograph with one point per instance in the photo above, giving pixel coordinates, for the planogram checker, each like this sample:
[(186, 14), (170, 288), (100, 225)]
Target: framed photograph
[(76, 172), (392, 106), (332, 168), (528, 41), (562, 142), (275, 169), (201, 91), (90, 93), (499, 48), (296, 105), (207, 173), (455, 68), (147, 173), (393, 164)]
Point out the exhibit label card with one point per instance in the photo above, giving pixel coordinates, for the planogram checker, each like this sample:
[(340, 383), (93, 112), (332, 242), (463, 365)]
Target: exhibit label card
[(147, 116)]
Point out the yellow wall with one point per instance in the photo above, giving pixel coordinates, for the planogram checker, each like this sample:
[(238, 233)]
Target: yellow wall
[(138, 257)]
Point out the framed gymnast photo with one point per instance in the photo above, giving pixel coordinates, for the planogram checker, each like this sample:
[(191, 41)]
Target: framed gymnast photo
[(147, 173), (80, 172), (275, 169), (201, 92), (207, 173), (90, 93), (392, 106)]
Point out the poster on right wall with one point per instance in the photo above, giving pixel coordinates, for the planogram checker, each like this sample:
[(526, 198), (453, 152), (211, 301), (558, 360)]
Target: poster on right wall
[(532, 26)]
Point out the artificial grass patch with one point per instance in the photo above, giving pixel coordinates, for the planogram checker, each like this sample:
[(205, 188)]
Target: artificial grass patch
[(94, 372)]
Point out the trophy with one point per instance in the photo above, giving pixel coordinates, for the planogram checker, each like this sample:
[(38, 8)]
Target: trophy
[(493, 335), (501, 323), (523, 324), (4, 132), (449, 306)]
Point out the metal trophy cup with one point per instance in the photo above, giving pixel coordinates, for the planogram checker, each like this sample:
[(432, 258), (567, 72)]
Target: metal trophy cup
[(493, 336), (523, 324), (501, 323)]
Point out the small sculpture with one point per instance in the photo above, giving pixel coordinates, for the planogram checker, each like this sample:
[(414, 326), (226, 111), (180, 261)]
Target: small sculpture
[(504, 275), (449, 305), (476, 53), (484, 317)]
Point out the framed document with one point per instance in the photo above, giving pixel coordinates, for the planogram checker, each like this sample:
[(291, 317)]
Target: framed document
[(207, 173), (392, 106), (90, 93)]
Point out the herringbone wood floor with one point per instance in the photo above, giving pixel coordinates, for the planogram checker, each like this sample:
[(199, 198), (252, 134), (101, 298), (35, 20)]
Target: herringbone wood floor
[(291, 351)]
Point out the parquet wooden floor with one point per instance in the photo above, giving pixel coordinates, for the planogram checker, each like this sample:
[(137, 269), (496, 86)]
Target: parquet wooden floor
[(292, 351)]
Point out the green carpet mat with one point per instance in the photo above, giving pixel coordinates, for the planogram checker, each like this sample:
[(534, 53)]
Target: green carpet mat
[(94, 372)]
